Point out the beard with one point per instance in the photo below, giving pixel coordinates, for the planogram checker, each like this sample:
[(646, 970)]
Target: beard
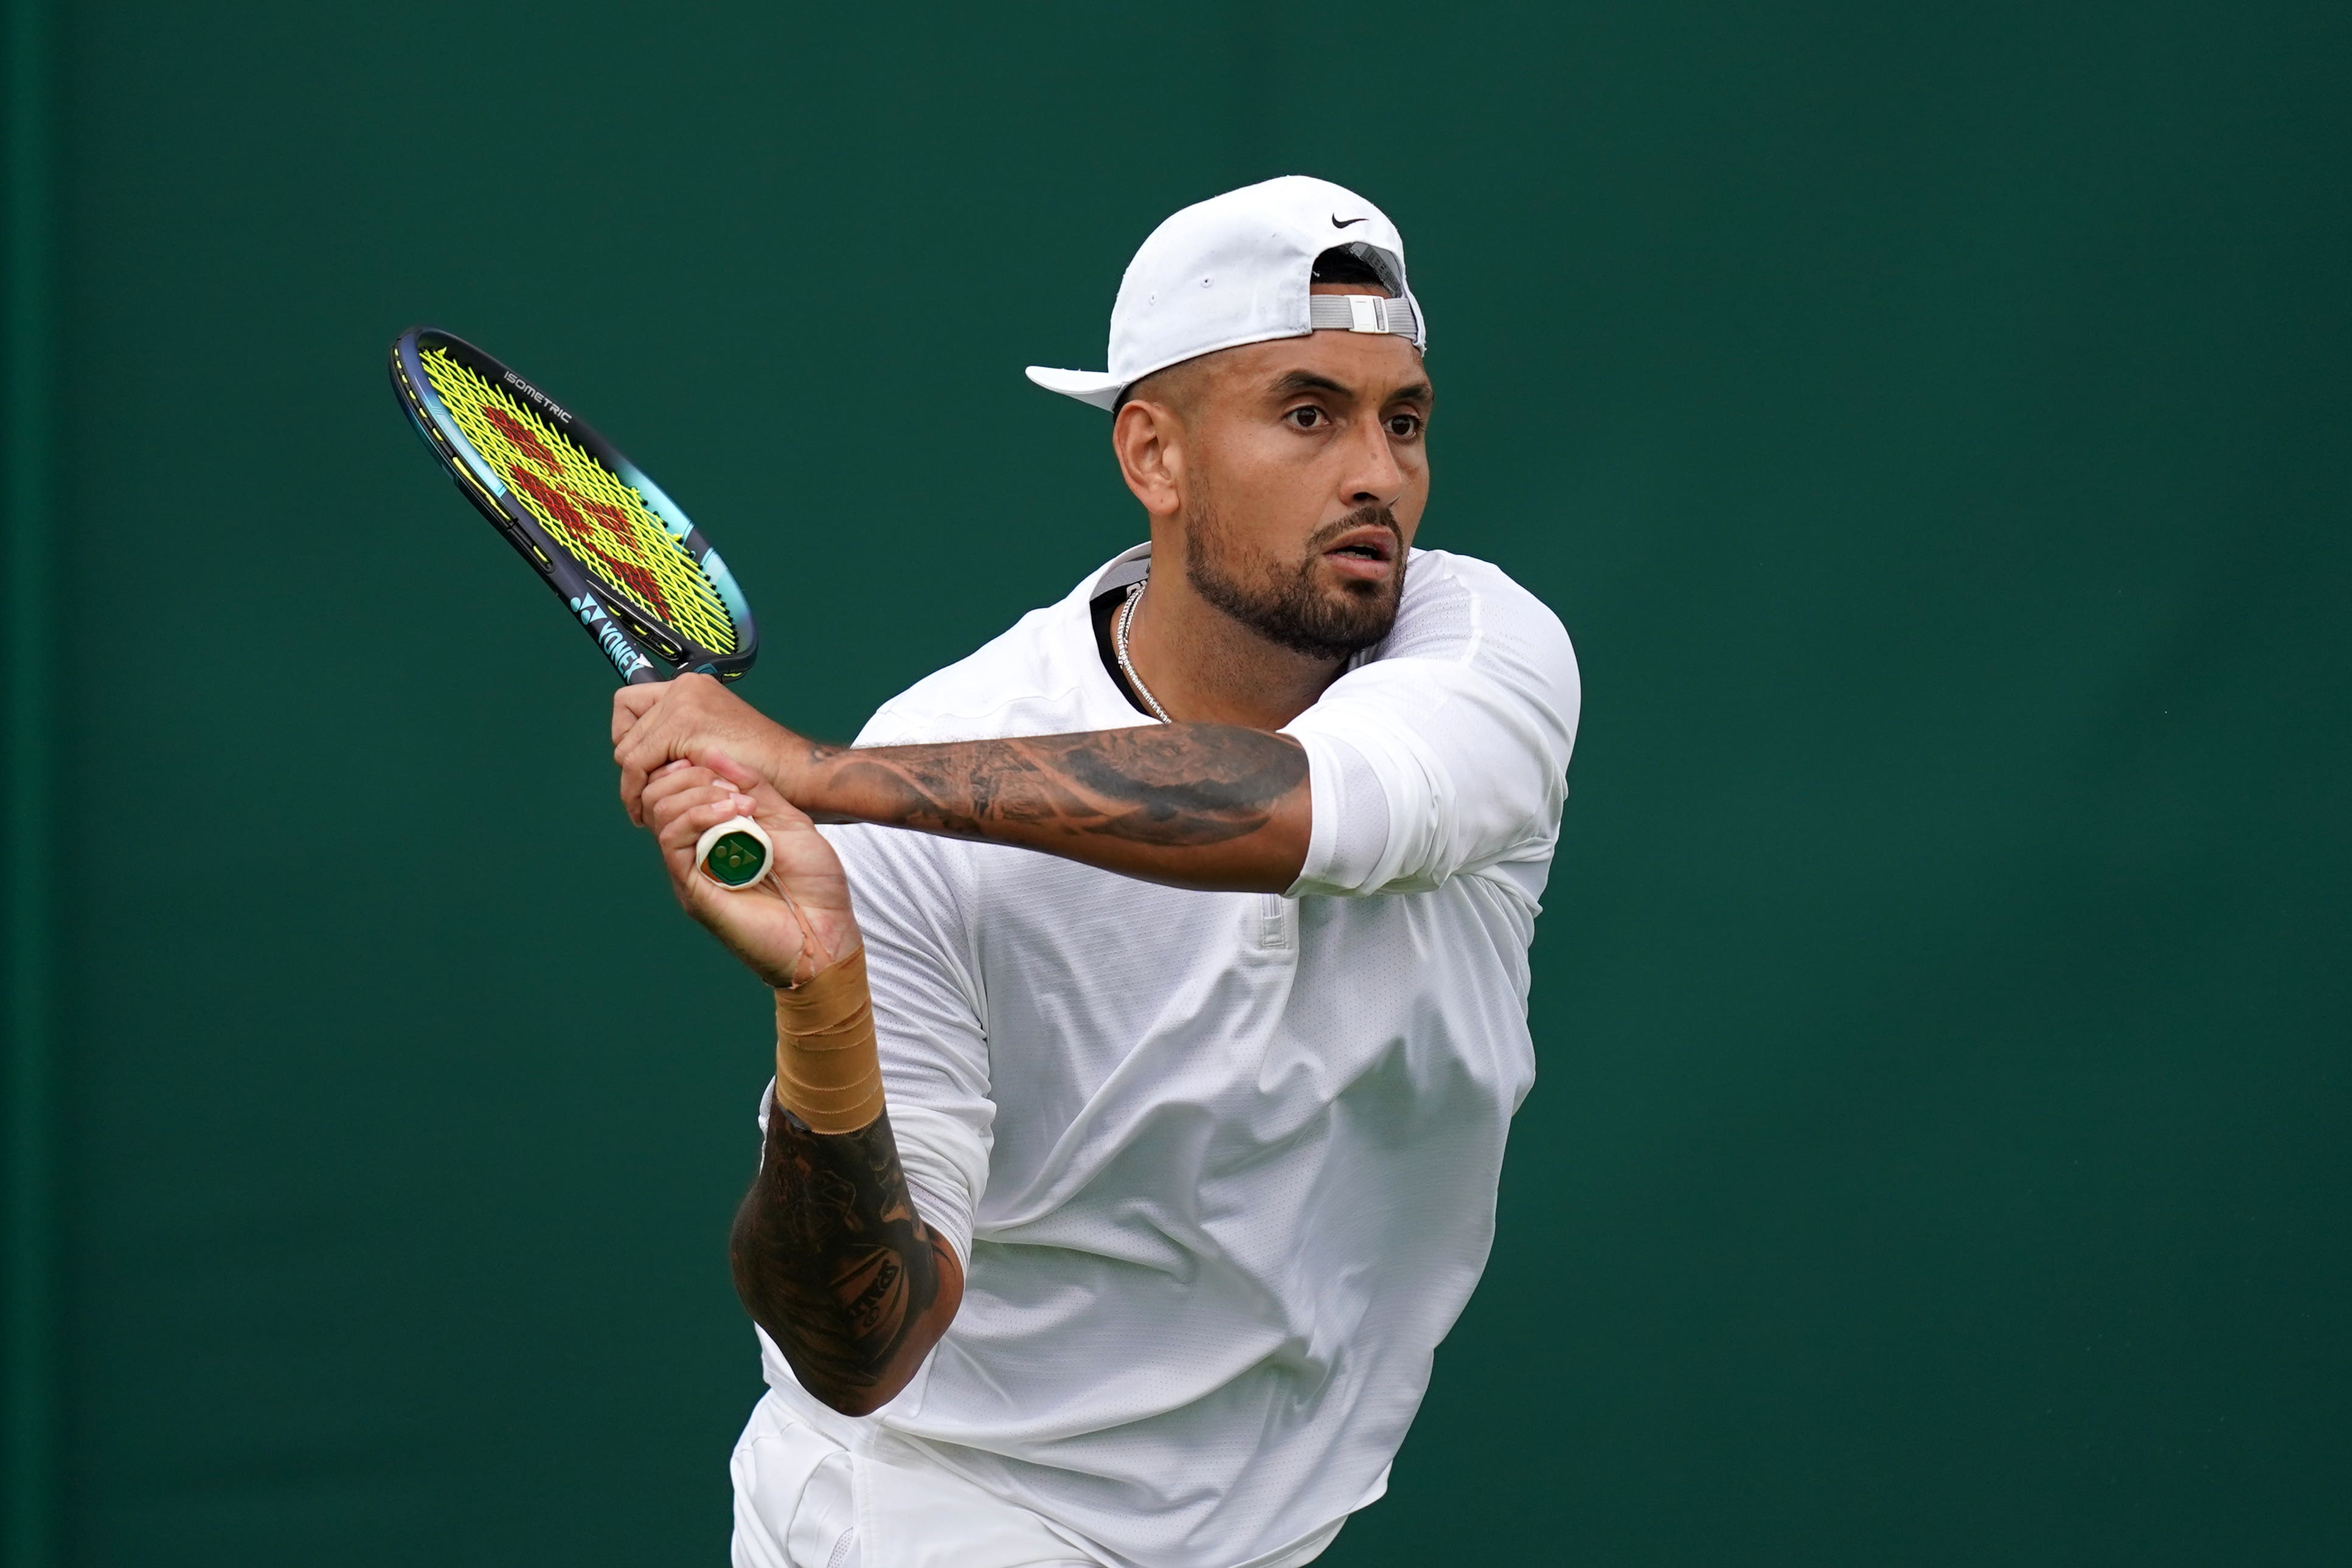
[(1282, 601)]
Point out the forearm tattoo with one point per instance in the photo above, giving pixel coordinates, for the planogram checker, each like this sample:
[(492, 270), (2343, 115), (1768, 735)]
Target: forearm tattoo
[(831, 1260), (1167, 785)]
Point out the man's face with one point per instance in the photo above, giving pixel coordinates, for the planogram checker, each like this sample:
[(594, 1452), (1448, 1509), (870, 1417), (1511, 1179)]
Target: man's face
[(1303, 472)]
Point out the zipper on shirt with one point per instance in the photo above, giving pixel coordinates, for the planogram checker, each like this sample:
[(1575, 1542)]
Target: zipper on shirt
[(1276, 923)]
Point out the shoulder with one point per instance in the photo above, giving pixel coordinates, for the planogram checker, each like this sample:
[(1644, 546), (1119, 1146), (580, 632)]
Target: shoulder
[(1458, 609), (1028, 680)]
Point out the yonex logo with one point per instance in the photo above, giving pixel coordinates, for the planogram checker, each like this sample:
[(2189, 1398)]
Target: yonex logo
[(616, 646)]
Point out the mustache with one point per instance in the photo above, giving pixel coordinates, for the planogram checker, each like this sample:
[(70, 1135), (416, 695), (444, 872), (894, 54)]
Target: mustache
[(1362, 517)]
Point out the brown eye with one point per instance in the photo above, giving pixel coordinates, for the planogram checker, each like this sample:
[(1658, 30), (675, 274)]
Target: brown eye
[(1405, 427), (1305, 418)]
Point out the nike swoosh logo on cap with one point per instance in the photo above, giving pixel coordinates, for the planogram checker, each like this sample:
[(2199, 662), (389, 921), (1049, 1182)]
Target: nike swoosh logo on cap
[(1338, 222)]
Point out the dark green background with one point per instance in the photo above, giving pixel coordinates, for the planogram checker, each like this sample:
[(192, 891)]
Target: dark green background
[(1931, 422)]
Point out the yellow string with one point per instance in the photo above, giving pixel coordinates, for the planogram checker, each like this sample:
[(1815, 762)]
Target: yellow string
[(604, 522)]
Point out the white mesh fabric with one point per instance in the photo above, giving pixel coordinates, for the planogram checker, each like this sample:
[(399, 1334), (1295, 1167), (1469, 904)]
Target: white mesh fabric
[(1236, 1189), (1465, 717), (1349, 831)]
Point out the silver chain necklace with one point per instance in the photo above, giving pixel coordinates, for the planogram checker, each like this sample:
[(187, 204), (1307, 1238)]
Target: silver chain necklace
[(1127, 665)]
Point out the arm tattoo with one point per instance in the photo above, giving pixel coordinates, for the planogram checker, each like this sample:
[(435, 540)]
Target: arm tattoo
[(1167, 785), (831, 1260)]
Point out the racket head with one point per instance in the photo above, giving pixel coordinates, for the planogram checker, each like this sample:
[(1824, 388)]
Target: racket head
[(624, 557)]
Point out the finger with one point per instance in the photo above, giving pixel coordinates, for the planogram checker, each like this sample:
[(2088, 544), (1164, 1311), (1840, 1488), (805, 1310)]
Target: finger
[(669, 783), (643, 748), (687, 820), (643, 741), (632, 789), (722, 766), (774, 807), (725, 766), (634, 781), (661, 814), (631, 703), (769, 808)]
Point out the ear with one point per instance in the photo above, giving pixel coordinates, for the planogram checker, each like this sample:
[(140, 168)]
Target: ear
[(1149, 440)]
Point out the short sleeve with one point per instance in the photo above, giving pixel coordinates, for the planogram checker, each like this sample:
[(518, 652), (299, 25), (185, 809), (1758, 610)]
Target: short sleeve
[(1446, 752), (909, 894)]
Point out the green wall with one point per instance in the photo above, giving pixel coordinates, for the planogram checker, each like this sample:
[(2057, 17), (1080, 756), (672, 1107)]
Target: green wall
[(1932, 422)]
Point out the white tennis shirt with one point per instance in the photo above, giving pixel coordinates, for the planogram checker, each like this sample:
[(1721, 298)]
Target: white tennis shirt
[(1222, 1165)]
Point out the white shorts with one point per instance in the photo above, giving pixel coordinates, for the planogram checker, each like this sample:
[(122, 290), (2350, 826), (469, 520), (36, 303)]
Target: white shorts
[(804, 1500)]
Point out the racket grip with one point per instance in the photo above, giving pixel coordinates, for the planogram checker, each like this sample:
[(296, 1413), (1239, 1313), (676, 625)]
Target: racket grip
[(735, 853)]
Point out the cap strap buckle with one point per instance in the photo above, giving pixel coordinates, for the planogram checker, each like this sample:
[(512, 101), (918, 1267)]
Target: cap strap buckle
[(1362, 313)]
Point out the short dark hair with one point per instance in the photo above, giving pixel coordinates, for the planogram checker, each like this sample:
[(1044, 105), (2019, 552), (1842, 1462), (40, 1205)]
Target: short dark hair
[(1175, 385), (1346, 264)]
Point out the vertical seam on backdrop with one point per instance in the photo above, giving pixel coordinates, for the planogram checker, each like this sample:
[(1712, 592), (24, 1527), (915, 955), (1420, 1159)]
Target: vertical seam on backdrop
[(29, 1291)]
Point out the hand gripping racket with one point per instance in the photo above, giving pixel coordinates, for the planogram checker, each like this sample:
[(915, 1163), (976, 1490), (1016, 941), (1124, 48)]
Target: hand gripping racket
[(621, 554)]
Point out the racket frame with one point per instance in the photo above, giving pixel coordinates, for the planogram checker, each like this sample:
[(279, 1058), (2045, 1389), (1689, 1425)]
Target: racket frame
[(637, 643)]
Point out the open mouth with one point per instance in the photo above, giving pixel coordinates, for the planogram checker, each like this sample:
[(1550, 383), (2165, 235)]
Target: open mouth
[(1373, 546)]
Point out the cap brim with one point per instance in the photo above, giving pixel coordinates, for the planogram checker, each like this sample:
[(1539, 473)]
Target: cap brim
[(1098, 387)]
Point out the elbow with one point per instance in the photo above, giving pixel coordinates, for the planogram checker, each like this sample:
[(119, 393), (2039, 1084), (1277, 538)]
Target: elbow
[(867, 1390), (848, 1372), (843, 1382), (922, 1337)]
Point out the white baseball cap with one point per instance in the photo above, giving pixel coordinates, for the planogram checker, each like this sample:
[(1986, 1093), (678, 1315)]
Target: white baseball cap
[(1234, 270)]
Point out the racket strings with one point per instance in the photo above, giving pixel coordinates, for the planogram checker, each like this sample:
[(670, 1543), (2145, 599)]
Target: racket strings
[(603, 521)]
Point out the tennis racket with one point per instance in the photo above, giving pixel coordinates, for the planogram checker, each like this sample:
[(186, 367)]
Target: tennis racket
[(638, 576)]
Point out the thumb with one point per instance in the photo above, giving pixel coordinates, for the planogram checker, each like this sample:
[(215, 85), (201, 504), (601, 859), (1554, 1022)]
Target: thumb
[(768, 807), (727, 768), (768, 804)]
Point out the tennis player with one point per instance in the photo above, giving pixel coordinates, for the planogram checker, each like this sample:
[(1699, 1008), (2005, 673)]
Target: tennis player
[(1149, 1023)]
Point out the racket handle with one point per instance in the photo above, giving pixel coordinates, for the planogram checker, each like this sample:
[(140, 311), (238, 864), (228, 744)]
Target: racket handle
[(735, 853)]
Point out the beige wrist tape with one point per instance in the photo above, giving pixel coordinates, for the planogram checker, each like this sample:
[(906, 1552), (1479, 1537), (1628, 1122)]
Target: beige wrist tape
[(828, 1071)]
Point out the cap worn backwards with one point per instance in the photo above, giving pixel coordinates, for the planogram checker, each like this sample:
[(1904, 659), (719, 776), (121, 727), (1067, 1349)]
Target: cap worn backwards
[(1234, 270)]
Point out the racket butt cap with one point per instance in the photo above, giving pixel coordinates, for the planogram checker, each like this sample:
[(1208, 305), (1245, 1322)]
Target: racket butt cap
[(735, 854)]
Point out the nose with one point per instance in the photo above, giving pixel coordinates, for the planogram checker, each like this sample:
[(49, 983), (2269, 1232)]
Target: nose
[(1374, 477)]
